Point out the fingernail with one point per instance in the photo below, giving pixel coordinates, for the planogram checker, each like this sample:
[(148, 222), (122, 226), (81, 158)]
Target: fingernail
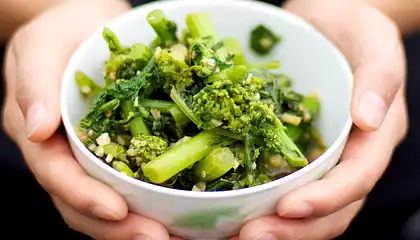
[(34, 116), (372, 109), (297, 210), (266, 236), (103, 212), (142, 237)]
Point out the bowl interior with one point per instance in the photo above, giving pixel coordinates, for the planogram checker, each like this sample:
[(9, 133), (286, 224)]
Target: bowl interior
[(306, 56)]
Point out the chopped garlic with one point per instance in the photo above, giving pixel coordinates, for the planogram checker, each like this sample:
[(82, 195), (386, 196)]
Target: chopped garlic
[(208, 62), (109, 158), (181, 49), (121, 140), (157, 52), (199, 187), (254, 165), (92, 147), (276, 161), (291, 119), (155, 113), (112, 75), (236, 164), (103, 139), (203, 174), (85, 89), (178, 56), (248, 78), (99, 151), (108, 113), (216, 122), (193, 55)]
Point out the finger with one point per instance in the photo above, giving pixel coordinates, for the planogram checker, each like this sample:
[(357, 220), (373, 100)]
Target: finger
[(373, 48), (379, 69), (42, 49), (364, 160), (133, 227), (59, 173), (273, 227)]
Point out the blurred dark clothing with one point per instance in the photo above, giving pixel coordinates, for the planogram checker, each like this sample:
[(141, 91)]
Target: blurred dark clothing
[(29, 213)]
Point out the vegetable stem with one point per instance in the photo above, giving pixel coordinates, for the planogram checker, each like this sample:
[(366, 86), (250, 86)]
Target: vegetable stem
[(114, 44), (180, 102), (162, 106), (122, 168), (290, 150), (234, 74), (137, 125), (182, 156), (200, 25), (86, 85), (165, 29), (215, 165), (233, 47), (180, 118)]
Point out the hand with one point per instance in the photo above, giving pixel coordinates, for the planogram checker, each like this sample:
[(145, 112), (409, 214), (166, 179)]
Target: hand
[(323, 209), (36, 58)]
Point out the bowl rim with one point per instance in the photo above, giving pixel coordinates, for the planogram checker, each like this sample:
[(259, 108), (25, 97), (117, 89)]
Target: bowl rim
[(259, 6)]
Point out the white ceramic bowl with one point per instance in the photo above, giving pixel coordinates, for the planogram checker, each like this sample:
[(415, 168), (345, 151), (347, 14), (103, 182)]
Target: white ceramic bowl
[(312, 61)]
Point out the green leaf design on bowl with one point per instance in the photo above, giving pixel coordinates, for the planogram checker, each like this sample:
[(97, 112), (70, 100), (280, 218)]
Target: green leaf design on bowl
[(208, 219)]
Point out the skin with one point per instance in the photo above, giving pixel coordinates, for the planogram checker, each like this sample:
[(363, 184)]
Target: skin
[(319, 210), (85, 204), (14, 13), (324, 209)]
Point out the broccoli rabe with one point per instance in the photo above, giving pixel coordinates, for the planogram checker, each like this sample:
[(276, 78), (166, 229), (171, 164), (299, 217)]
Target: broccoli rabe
[(263, 40), (87, 86), (164, 28), (192, 113), (147, 147), (173, 69)]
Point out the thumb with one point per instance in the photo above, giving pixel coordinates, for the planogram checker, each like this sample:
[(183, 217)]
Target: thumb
[(40, 60), (371, 42), (41, 50), (379, 70)]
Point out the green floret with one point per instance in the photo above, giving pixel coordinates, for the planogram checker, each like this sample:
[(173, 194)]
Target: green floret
[(164, 28), (111, 39), (224, 104), (237, 107), (192, 113), (173, 69), (125, 62), (147, 147), (205, 59)]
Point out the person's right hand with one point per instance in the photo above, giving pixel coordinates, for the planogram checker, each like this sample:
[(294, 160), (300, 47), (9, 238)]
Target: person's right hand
[(36, 58)]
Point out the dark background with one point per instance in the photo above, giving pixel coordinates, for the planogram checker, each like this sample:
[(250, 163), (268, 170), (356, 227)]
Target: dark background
[(27, 211)]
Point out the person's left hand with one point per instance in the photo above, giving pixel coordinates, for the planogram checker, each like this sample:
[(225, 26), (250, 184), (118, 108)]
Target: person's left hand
[(324, 209)]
